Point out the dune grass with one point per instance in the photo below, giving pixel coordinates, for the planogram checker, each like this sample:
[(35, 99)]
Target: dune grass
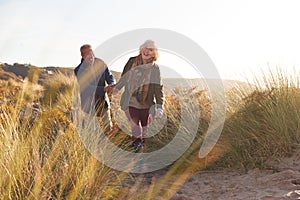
[(43, 157), (267, 124)]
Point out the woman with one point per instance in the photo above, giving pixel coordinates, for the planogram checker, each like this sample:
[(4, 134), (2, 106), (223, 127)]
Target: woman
[(142, 81)]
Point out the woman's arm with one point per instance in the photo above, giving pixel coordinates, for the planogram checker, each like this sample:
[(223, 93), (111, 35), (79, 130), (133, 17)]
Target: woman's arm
[(125, 75)]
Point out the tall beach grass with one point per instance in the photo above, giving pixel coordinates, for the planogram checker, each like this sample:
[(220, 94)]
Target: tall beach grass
[(43, 157)]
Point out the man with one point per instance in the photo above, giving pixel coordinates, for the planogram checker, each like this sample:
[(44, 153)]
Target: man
[(93, 75)]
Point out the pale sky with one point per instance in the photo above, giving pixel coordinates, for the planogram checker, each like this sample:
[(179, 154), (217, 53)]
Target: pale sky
[(241, 37)]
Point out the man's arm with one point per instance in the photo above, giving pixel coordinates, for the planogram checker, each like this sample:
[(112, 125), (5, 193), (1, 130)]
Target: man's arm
[(109, 77), (110, 80)]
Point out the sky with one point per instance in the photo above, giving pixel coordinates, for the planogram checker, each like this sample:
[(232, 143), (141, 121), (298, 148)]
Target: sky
[(241, 37)]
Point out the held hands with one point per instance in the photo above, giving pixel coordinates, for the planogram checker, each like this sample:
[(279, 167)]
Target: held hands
[(109, 89)]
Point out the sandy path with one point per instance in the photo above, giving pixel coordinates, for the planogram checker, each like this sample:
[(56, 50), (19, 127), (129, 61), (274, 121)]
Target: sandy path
[(255, 184), (232, 185)]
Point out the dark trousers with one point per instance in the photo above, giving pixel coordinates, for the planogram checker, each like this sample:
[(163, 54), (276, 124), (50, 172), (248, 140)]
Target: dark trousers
[(139, 120)]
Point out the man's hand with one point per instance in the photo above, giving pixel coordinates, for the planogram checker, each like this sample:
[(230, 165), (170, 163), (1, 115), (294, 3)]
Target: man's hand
[(109, 88)]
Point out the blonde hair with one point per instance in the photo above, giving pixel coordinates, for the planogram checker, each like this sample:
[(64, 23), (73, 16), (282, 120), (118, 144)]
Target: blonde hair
[(155, 53), (150, 44)]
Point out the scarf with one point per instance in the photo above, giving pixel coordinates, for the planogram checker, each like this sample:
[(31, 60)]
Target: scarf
[(140, 79)]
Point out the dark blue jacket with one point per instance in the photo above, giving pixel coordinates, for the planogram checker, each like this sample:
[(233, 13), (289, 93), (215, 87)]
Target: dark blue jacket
[(94, 84)]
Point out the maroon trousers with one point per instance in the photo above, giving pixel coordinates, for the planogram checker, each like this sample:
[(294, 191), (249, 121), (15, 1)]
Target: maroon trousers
[(139, 120)]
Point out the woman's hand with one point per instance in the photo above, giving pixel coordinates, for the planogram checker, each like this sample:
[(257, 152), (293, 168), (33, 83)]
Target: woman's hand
[(158, 113)]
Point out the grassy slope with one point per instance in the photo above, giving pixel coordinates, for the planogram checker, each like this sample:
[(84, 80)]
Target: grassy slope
[(43, 157)]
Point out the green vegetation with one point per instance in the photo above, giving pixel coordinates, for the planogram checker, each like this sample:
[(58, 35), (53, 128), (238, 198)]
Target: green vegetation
[(43, 157), (267, 124)]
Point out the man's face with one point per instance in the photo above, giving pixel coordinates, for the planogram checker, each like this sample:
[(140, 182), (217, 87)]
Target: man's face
[(88, 56), (86, 52)]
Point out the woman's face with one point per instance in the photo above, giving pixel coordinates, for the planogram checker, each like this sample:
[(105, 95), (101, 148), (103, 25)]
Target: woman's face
[(147, 53)]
